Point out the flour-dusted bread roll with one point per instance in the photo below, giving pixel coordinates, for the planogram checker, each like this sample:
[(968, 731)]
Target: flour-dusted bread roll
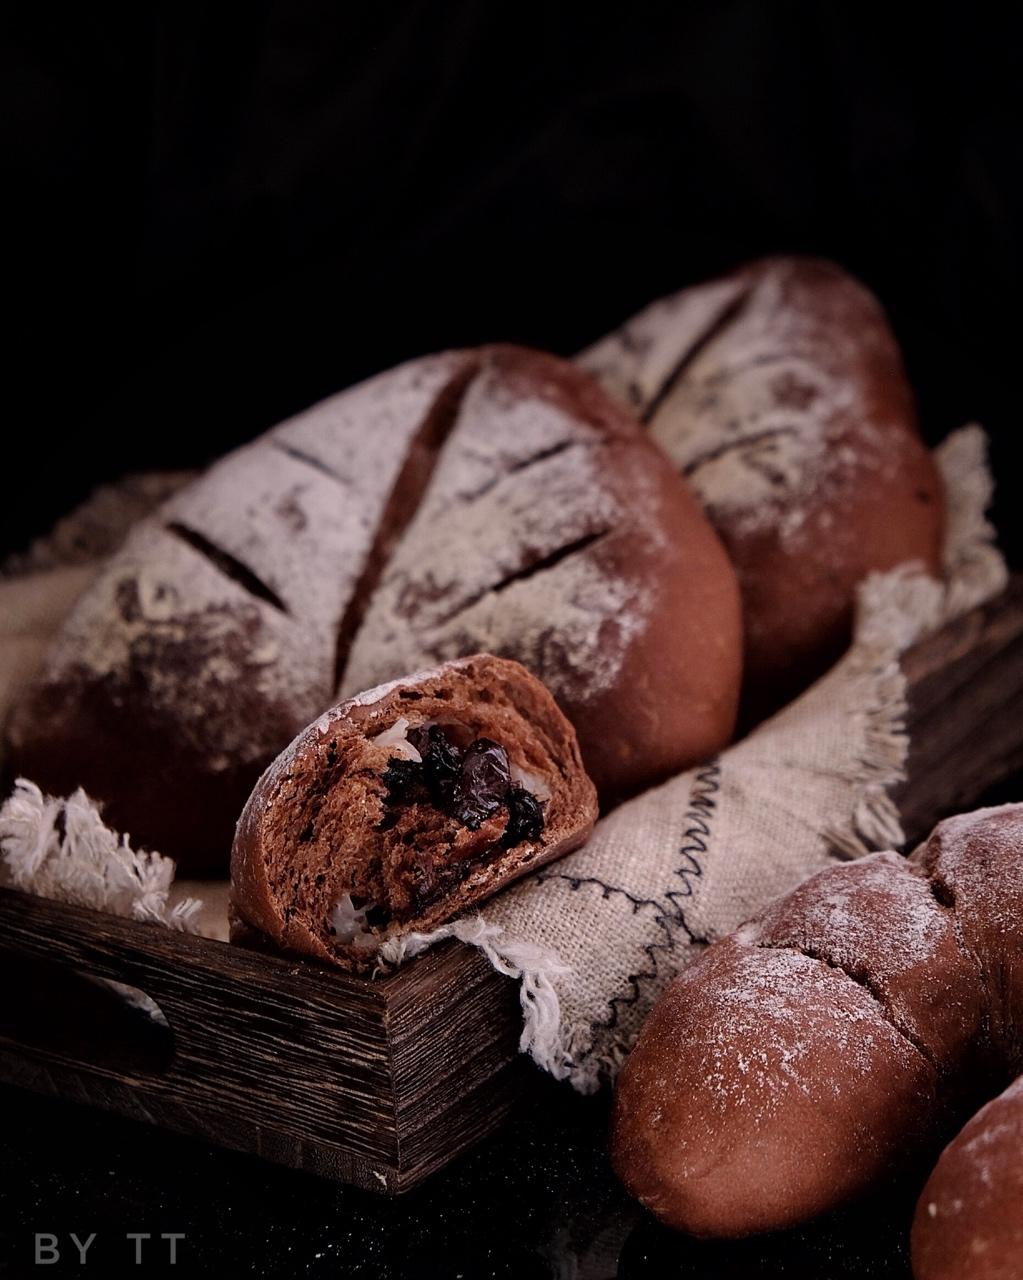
[(780, 394), (213, 636), (485, 500), (554, 533), (837, 1037), (770, 1079), (969, 1220), (404, 806)]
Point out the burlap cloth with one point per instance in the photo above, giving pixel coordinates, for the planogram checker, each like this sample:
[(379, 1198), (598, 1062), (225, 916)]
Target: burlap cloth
[(594, 938)]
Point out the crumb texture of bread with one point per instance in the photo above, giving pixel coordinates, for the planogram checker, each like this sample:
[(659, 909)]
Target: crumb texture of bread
[(403, 807), (834, 1041)]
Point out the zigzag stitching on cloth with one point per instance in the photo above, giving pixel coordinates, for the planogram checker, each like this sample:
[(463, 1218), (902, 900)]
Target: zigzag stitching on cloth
[(696, 836), (702, 804), (634, 980)]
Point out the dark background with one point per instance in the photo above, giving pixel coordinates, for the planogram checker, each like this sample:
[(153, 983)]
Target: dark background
[(535, 1202), (218, 214)]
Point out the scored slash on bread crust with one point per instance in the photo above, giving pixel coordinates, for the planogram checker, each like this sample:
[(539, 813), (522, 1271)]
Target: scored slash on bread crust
[(779, 393), (320, 833), (211, 638), (553, 532), (836, 1038), (493, 500)]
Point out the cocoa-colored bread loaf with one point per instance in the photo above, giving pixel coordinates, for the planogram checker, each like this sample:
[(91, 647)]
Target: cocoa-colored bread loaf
[(477, 500), (554, 533), (211, 638), (969, 1220), (838, 1037), (402, 807), (780, 394)]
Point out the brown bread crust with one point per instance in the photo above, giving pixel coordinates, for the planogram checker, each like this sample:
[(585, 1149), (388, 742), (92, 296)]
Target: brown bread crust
[(969, 1219), (780, 394), (210, 639), (837, 1037), (318, 825), (321, 552), (554, 533)]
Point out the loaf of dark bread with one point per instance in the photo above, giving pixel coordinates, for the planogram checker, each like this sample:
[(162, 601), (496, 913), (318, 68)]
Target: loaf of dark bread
[(841, 1035), (554, 533), (211, 638), (404, 806), (780, 394), (494, 499), (969, 1220)]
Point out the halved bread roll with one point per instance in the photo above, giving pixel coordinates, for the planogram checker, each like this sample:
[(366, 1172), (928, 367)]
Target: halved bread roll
[(405, 805)]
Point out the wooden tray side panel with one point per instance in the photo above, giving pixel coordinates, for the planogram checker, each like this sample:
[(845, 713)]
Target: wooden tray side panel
[(263, 1049), (965, 716), (454, 1032)]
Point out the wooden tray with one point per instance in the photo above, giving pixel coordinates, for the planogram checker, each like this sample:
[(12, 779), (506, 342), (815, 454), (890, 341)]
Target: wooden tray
[(381, 1083)]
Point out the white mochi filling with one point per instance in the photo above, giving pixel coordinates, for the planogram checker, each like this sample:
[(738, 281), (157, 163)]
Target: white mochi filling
[(348, 923)]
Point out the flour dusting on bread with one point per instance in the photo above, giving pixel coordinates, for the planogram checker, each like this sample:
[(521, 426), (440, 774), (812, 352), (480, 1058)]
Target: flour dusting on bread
[(791, 416), (520, 484), (476, 500), (452, 584)]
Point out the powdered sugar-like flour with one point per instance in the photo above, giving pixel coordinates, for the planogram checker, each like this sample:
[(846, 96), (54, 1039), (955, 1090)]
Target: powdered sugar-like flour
[(780, 1023), (519, 482), (297, 512), (752, 415)]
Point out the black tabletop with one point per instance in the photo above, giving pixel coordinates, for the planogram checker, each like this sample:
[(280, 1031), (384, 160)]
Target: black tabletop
[(536, 1200)]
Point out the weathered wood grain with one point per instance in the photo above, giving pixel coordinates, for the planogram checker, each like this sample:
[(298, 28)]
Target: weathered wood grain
[(965, 714), (379, 1083), (288, 1060)]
